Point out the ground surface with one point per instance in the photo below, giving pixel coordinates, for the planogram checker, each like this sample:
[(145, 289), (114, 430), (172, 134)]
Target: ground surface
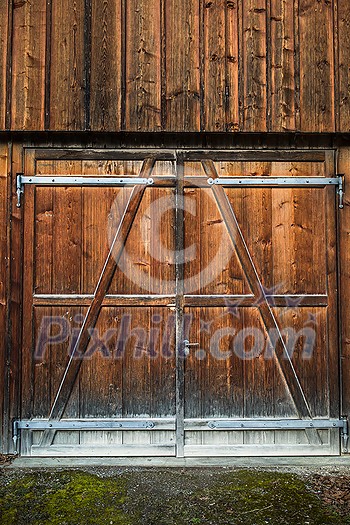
[(192, 496)]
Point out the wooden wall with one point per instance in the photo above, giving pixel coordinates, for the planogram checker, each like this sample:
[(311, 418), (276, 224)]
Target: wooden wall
[(175, 65)]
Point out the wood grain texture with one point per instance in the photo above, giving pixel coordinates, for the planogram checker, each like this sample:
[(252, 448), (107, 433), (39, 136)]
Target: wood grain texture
[(67, 110), (143, 65), (232, 74), (282, 45), (343, 65), (254, 65), (28, 65), (182, 66), (214, 65), (4, 267), (4, 28), (344, 257), (106, 68), (316, 65)]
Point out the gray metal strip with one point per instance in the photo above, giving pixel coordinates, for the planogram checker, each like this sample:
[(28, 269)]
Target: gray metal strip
[(283, 424), (100, 424), (277, 181), (78, 181), (83, 181)]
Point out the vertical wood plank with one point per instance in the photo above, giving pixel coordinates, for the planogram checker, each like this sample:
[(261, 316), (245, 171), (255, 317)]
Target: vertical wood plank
[(344, 70), (4, 270), (344, 257), (106, 66), (3, 59), (28, 65), (232, 61), (316, 65), (67, 65), (11, 396), (254, 65), (143, 63), (182, 66), (282, 92), (214, 77)]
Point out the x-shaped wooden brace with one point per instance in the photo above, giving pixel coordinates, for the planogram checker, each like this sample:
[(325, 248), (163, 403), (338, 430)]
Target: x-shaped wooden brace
[(107, 274), (258, 290)]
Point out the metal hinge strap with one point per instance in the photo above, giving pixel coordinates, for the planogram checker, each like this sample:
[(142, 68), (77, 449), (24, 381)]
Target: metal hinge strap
[(292, 182), (61, 180), (275, 424), (81, 424)]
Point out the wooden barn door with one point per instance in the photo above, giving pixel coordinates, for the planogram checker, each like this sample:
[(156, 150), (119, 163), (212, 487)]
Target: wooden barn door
[(179, 306), (260, 283), (98, 363)]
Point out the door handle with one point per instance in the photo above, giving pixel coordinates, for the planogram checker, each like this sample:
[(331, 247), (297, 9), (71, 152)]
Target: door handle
[(187, 346)]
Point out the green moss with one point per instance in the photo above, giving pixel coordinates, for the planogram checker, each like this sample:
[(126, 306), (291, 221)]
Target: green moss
[(74, 498), (163, 497)]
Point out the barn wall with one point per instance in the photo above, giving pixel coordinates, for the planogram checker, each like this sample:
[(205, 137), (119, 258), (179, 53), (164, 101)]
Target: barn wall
[(175, 65)]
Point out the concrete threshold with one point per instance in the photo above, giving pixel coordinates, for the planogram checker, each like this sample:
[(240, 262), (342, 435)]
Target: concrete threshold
[(172, 462)]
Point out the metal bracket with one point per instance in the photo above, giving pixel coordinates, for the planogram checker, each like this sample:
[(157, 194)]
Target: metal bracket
[(345, 434), (63, 180), (19, 189), (341, 191)]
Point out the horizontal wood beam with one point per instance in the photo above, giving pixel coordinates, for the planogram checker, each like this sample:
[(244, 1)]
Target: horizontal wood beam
[(210, 301)]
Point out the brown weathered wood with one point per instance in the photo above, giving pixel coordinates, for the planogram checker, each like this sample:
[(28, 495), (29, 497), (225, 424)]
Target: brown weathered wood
[(91, 317), (256, 286), (214, 74), (282, 66), (104, 154), (143, 65), (182, 66), (254, 65), (28, 65), (14, 319), (4, 272), (316, 66), (344, 76), (106, 34), (3, 61), (67, 66), (232, 81), (344, 282)]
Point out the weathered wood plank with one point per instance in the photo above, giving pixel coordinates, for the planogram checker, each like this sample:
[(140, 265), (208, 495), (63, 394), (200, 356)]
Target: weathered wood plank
[(106, 68), (182, 66), (143, 65), (232, 73), (282, 89), (316, 66), (214, 73), (28, 65), (254, 65), (4, 273), (12, 378), (344, 69), (4, 34), (67, 66)]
